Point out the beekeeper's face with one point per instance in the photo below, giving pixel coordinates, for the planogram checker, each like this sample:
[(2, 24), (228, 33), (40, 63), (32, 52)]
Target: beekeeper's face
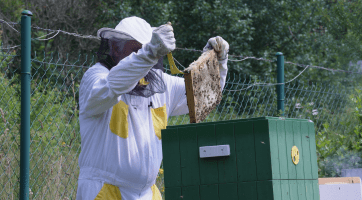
[(129, 47)]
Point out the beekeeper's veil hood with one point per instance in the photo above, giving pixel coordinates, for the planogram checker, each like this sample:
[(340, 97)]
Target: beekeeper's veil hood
[(112, 50)]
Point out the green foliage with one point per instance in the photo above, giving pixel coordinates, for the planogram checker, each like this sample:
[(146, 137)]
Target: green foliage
[(281, 26), (54, 131), (195, 22), (309, 32), (318, 32), (340, 140), (11, 10), (54, 118), (54, 135)]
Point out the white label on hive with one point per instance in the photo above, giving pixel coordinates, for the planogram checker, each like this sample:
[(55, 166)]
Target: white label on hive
[(214, 151)]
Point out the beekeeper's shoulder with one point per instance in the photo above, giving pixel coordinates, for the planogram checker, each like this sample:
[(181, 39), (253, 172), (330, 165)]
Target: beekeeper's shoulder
[(96, 70)]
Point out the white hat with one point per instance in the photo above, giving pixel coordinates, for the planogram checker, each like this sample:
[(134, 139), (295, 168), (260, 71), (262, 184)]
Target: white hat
[(132, 28)]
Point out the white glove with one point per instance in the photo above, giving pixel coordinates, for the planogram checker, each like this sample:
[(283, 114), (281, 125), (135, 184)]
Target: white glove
[(219, 45), (162, 42)]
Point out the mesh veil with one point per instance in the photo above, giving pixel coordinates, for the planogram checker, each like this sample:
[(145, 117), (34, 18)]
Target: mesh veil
[(113, 48)]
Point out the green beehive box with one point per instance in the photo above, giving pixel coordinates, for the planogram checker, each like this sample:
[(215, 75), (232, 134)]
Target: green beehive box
[(260, 165)]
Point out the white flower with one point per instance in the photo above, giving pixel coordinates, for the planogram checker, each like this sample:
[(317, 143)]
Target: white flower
[(311, 103), (315, 112), (298, 105)]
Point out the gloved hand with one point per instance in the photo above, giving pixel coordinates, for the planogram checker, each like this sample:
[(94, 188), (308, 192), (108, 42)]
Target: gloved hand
[(163, 41), (219, 45)]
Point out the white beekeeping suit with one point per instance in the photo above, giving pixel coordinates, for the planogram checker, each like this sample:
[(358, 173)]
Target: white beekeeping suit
[(121, 119)]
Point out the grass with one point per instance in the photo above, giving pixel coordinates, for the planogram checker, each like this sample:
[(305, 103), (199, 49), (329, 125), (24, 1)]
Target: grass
[(52, 176), (53, 170)]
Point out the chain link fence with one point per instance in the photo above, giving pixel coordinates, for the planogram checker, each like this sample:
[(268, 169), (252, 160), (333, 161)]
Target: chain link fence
[(55, 138), (54, 132)]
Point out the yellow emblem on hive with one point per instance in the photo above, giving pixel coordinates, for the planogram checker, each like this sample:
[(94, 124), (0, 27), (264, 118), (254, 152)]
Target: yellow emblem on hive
[(295, 155)]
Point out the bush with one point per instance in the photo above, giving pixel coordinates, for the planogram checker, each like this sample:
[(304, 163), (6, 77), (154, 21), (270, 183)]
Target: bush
[(339, 142), (55, 142)]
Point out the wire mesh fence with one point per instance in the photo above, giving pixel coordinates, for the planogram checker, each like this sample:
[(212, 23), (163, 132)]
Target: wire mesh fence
[(55, 137), (54, 132), (55, 141)]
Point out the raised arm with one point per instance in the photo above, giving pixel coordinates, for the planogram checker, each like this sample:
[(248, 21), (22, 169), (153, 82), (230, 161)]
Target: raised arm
[(100, 88), (177, 85)]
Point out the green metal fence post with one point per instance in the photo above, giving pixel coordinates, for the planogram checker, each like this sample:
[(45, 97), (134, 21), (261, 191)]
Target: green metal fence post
[(280, 79), (25, 104)]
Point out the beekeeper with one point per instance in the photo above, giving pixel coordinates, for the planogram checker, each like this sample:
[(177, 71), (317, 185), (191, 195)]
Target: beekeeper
[(125, 100)]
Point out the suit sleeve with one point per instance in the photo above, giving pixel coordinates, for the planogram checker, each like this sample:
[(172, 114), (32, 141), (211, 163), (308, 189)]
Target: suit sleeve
[(100, 87), (177, 91)]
